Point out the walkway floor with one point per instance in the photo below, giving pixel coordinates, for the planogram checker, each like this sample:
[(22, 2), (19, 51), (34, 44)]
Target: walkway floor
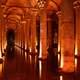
[(23, 66)]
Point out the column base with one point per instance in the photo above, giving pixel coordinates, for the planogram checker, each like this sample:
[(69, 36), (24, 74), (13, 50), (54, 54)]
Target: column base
[(61, 70), (42, 59)]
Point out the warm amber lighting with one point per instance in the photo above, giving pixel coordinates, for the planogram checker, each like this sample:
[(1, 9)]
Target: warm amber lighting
[(0, 54), (58, 58), (59, 46), (40, 53), (61, 77), (36, 50), (75, 63), (30, 49), (76, 49), (25, 56), (36, 43), (59, 54), (61, 63), (0, 68), (40, 69), (35, 47)]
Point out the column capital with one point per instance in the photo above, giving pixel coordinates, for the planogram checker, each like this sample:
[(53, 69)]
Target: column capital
[(34, 12), (59, 13), (76, 4)]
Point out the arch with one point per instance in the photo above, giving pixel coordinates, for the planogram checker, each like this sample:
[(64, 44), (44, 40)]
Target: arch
[(17, 18), (15, 10)]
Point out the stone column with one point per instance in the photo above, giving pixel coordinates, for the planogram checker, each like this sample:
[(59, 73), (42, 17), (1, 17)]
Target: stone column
[(21, 36), (33, 33), (77, 26), (0, 31), (4, 41), (49, 31), (60, 30), (0, 40), (43, 35), (67, 36), (77, 33), (24, 25), (27, 34)]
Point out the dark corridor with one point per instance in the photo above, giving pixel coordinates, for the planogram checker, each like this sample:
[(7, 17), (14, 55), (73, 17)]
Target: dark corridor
[(10, 42)]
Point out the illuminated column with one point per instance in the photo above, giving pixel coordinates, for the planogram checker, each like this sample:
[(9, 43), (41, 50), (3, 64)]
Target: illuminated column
[(0, 40), (28, 34), (49, 31), (77, 26), (33, 33), (43, 36), (60, 30), (1, 37), (67, 36), (0, 32), (4, 41), (77, 32), (23, 25)]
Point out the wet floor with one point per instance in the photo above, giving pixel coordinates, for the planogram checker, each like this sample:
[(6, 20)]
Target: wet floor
[(23, 66)]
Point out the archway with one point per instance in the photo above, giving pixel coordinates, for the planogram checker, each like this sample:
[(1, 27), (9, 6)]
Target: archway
[(52, 40)]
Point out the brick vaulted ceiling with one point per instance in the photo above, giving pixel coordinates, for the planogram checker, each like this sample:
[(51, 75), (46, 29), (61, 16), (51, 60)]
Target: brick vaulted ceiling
[(13, 10)]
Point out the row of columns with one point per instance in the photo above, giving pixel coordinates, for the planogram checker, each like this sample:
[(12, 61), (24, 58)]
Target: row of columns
[(28, 35), (69, 32), (66, 31)]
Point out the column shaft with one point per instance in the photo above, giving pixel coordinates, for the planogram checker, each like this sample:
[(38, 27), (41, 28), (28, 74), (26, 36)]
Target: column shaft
[(33, 34), (77, 32), (67, 36), (43, 36)]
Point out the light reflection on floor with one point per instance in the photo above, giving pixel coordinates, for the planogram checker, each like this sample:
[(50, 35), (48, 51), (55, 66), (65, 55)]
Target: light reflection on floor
[(61, 77), (27, 67), (40, 69)]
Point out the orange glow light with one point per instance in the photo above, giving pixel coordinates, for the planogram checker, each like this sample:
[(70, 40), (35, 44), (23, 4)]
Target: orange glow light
[(40, 69), (35, 47), (30, 49), (61, 77), (40, 53), (0, 54), (75, 63), (61, 65), (36, 50), (76, 49), (0, 69), (25, 56), (59, 46), (58, 58)]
